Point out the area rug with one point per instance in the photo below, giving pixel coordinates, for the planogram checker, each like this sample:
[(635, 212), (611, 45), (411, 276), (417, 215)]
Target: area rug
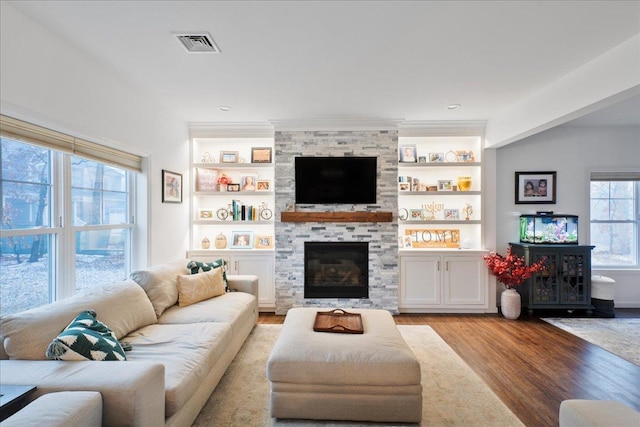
[(618, 336), (453, 395)]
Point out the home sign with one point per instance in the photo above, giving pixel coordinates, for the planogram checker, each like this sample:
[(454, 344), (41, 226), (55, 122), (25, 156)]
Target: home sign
[(434, 238)]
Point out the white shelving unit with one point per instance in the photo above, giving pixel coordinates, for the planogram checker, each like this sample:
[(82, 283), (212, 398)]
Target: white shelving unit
[(230, 153), (432, 208)]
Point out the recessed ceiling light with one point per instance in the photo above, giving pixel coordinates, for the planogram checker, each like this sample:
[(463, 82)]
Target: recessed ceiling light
[(453, 106), (224, 108)]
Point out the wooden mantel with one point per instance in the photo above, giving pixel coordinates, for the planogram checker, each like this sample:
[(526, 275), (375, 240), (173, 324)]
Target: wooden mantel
[(349, 216)]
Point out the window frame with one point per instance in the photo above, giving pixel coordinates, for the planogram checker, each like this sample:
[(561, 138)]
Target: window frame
[(612, 177), (62, 231)]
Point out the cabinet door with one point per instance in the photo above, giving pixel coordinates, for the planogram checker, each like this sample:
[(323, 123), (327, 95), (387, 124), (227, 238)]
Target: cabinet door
[(574, 277), (545, 289), (261, 266), (420, 283), (465, 280)]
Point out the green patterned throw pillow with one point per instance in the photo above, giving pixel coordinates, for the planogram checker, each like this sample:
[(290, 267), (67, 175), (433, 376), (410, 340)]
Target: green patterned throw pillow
[(86, 338), (200, 267)]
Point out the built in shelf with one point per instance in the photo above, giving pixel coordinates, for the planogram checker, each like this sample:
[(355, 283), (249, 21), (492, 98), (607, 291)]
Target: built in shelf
[(336, 217)]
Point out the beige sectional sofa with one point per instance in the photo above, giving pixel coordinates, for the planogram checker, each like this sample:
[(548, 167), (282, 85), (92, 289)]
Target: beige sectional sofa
[(178, 354)]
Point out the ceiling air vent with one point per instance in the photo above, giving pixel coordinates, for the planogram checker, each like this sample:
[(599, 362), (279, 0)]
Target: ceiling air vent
[(198, 42)]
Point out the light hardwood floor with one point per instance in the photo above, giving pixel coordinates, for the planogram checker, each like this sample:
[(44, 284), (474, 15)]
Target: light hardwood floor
[(529, 364)]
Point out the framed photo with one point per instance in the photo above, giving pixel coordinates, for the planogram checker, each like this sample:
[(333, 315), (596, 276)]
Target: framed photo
[(228, 157), (436, 157), (261, 155), (415, 214), (422, 159), (171, 187), (444, 185), (233, 187), (206, 179), (248, 182), (264, 242), (465, 156), (241, 240), (408, 154), (404, 186), (535, 188), (205, 214), (451, 214), (263, 185)]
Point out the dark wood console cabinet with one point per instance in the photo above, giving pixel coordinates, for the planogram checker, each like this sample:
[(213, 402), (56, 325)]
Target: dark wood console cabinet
[(564, 284)]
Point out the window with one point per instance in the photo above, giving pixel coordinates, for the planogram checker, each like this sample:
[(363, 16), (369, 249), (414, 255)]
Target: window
[(66, 221), (615, 219)]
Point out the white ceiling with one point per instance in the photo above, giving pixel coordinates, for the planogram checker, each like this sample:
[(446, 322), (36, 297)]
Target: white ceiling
[(293, 60)]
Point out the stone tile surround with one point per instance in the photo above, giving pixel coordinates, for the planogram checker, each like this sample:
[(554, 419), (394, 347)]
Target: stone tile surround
[(382, 237)]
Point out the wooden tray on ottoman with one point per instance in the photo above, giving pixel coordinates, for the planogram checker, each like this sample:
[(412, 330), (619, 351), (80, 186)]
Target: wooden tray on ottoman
[(338, 321)]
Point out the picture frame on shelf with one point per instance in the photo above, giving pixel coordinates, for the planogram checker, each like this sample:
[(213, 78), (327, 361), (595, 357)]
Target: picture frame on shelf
[(206, 179), (535, 188), (261, 154), (416, 214), (436, 157), (422, 159), (248, 182), (205, 213), (408, 154), (228, 157), (451, 214), (264, 242), (465, 156), (241, 240), (404, 186), (171, 187), (233, 187), (444, 185), (263, 185)]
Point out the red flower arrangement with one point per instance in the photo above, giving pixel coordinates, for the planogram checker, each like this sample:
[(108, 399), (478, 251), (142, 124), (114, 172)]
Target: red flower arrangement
[(511, 270)]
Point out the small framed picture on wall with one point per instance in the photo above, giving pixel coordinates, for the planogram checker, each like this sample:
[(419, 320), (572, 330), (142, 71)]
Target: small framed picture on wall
[(535, 188), (171, 187)]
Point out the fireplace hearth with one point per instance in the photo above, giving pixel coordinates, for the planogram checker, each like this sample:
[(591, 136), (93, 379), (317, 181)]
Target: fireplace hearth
[(336, 270)]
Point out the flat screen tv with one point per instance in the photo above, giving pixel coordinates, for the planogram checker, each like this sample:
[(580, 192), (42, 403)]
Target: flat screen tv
[(336, 180)]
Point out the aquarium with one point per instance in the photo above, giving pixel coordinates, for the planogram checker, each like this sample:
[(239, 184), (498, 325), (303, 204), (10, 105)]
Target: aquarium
[(549, 229)]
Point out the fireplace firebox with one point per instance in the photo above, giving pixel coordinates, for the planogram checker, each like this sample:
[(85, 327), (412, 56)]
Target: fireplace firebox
[(336, 270)]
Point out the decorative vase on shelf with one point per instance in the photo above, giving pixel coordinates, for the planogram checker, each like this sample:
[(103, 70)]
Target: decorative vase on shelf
[(205, 243), (510, 304), (464, 183), (221, 241)]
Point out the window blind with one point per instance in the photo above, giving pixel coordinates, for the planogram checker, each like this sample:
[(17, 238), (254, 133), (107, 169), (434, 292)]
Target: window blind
[(33, 134), (616, 176)]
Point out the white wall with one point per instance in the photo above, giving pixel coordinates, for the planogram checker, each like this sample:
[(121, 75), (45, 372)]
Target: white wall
[(573, 152), (47, 81)]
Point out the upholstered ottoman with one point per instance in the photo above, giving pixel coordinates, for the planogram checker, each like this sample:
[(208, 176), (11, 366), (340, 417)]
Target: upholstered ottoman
[(372, 376)]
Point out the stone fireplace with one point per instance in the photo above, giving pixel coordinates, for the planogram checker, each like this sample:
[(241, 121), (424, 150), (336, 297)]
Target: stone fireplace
[(336, 270), (381, 238)]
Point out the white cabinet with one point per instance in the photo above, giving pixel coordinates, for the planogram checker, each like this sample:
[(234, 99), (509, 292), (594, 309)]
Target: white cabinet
[(259, 263), (443, 281)]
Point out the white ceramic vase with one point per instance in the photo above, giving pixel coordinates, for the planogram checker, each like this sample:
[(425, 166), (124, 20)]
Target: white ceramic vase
[(510, 304)]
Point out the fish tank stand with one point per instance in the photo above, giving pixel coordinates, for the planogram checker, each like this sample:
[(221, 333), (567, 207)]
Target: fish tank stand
[(565, 283)]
